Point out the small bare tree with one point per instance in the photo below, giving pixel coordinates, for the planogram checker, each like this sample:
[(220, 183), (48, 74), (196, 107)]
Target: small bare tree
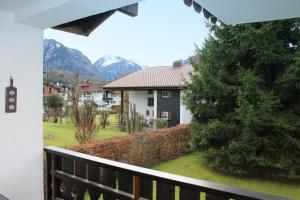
[(104, 118), (133, 121), (83, 117), (87, 128), (75, 97), (53, 105)]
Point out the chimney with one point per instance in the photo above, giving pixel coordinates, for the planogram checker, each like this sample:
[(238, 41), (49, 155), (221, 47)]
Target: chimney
[(177, 63)]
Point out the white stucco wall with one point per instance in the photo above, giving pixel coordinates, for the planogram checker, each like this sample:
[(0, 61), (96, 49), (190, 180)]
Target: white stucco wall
[(140, 99), (116, 101), (21, 133), (185, 114), (98, 97)]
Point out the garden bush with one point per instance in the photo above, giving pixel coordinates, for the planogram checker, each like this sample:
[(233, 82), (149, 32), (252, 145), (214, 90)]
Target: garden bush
[(159, 123), (104, 118), (142, 149)]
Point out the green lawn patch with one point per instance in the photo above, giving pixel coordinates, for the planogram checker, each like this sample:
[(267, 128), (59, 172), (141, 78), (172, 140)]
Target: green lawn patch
[(194, 166), (61, 135)]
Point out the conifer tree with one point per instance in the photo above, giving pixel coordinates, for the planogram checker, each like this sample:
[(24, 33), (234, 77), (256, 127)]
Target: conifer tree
[(245, 98)]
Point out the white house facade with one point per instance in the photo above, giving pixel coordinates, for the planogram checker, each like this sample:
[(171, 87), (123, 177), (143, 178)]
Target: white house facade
[(157, 92), (104, 99)]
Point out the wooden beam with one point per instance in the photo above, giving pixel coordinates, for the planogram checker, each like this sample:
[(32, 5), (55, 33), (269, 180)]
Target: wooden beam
[(131, 10)]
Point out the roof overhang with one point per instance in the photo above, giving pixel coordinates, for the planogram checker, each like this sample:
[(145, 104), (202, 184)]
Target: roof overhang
[(51, 13), (82, 17), (246, 11), (141, 88), (86, 25)]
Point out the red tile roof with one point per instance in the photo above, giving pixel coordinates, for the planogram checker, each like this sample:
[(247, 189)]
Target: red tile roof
[(91, 87), (154, 77)]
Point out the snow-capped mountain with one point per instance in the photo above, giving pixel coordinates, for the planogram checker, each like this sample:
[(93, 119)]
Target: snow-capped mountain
[(111, 67), (59, 57)]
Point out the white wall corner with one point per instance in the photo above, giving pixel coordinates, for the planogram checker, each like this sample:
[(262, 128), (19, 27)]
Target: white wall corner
[(185, 115), (21, 138)]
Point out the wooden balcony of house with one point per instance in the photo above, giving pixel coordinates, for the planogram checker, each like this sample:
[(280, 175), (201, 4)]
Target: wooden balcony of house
[(69, 175)]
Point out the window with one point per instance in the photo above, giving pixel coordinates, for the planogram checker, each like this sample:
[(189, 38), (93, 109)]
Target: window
[(165, 115), (151, 101), (150, 91), (166, 94)]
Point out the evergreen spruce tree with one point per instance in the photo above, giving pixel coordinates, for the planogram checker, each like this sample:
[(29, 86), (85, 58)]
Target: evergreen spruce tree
[(245, 98)]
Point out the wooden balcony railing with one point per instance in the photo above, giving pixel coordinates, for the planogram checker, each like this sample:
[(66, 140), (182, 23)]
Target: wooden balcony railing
[(69, 175)]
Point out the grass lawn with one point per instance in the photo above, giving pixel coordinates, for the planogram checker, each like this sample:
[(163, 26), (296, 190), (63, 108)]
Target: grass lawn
[(194, 166), (62, 135)]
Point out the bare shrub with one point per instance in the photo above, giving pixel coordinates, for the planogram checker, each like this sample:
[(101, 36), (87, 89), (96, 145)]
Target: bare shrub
[(104, 118), (86, 128)]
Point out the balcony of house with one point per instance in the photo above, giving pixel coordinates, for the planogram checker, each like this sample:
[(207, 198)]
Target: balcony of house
[(70, 175), (107, 99)]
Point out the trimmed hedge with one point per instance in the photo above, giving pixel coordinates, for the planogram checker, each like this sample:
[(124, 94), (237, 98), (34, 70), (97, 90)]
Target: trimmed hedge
[(143, 149)]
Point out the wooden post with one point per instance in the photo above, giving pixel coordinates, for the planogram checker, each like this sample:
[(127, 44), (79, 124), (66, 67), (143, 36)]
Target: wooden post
[(137, 188), (122, 107), (122, 102)]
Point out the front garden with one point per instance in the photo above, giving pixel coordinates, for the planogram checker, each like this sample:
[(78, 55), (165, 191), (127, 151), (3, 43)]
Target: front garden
[(109, 144)]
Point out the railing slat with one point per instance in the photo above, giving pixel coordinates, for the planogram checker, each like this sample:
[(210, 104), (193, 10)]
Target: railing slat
[(57, 165), (186, 194), (48, 176), (125, 182), (94, 175), (80, 171), (68, 167), (146, 188), (109, 179), (165, 191)]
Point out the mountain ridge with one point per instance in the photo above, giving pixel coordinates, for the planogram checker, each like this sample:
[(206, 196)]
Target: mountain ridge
[(62, 58)]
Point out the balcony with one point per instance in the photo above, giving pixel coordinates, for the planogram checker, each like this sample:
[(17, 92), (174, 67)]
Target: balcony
[(70, 174), (107, 99)]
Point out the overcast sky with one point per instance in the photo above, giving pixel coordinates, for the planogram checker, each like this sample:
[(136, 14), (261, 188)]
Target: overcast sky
[(164, 31)]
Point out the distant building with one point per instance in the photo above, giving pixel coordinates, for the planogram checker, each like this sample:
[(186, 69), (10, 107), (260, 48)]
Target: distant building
[(50, 89), (157, 92), (103, 98), (65, 93)]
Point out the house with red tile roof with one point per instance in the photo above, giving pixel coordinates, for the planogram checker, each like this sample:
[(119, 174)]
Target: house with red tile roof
[(157, 92), (103, 98)]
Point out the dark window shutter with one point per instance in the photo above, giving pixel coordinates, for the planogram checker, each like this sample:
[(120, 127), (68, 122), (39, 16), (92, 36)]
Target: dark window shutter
[(159, 94), (170, 116), (158, 114)]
